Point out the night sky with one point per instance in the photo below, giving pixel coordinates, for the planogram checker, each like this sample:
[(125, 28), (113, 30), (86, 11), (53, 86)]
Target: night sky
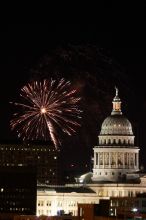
[(121, 61)]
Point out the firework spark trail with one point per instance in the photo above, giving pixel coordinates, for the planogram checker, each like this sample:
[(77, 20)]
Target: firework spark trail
[(52, 134), (47, 104)]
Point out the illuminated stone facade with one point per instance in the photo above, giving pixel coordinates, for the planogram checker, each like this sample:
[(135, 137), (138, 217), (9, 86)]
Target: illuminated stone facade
[(50, 201), (115, 170)]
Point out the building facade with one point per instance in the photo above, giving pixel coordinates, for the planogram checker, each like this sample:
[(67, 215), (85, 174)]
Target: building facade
[(115, 170), (18, 189), (44, 157)]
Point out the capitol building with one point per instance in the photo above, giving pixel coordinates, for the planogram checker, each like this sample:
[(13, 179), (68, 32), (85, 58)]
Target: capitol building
[(115, 170), (116, 156)]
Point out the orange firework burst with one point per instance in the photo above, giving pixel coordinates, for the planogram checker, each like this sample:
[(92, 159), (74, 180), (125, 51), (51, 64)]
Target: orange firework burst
[(46, 106)]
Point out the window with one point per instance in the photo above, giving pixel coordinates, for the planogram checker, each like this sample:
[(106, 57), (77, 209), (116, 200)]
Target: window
[(120, 193), (143, 203), (96, 158), (40, 203), (48, 203)]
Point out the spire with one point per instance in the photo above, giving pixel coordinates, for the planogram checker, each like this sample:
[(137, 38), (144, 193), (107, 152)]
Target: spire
[(116, 104)]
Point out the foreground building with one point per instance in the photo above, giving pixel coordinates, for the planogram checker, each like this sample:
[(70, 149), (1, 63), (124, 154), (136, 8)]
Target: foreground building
[(18, 189), (115, 170), (44, 157)]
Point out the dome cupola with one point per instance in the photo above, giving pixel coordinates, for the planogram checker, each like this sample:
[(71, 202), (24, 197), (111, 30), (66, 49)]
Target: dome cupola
[(116, 123), (116, 104)]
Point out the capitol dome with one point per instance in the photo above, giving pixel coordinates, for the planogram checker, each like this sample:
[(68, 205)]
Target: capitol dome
[(116, 125)]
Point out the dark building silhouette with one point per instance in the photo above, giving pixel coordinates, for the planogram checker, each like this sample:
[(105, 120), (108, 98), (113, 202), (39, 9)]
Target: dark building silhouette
[(90, 211), (44, 157), (18, 190)]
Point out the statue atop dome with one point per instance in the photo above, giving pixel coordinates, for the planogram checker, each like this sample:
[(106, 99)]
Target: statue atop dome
[(116, 104), (117, 91)]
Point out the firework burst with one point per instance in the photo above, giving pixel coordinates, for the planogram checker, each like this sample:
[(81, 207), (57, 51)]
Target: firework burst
[(47, 106)]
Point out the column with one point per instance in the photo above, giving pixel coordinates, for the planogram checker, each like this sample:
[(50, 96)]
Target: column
[(137, 157), (135, 160), (103, 159), (129, 160), (94, 159), (109, 160), (123, 160), (116, 159)]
